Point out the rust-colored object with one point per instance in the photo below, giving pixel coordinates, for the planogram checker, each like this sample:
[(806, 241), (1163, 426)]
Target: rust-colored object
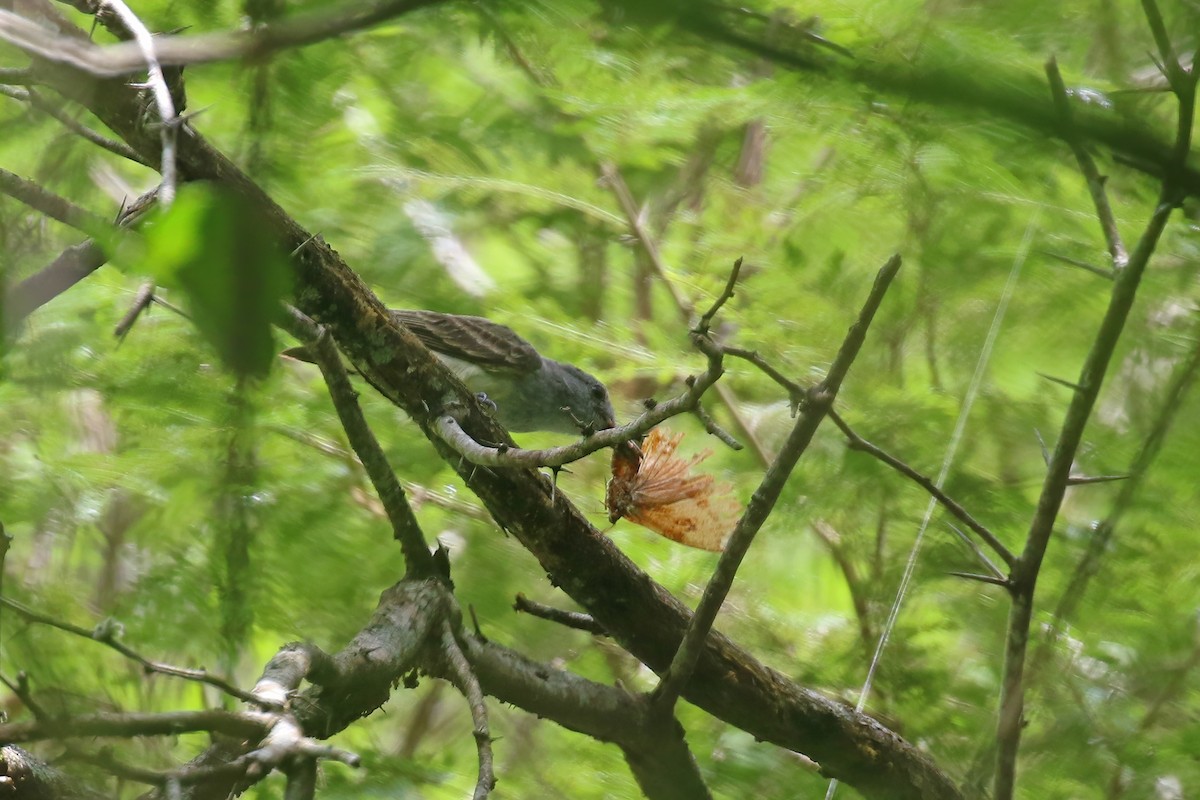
[(658, 491)]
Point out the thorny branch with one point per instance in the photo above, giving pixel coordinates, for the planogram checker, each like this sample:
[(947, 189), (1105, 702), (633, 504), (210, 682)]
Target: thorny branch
[(464, 677), (107, 634), (569, 619), (1025, 572), (404, 523)]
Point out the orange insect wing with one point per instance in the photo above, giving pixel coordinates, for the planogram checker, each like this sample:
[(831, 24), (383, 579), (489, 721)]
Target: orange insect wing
[(704, 522), (664, 497)]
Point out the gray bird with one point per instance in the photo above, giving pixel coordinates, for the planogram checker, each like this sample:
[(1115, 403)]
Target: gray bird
[(530, 392)]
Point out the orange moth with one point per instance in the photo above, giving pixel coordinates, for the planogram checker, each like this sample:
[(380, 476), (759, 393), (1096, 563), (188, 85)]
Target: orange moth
[(657, 490)]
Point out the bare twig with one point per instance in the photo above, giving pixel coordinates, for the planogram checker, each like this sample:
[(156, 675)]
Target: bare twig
[(820, 399), (241, 724), (856, 442), (795, 391), (106, 633), (707, 318), (468, 684), (404, 523), (978, 551), (711, 427), (20, 688), (1075, 387), (1025, 573), (570, 619)]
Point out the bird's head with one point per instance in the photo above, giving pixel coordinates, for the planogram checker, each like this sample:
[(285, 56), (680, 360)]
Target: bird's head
[(584, 400)]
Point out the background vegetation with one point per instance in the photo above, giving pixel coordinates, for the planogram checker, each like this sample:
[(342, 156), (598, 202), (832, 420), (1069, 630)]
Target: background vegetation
[(455, 158)]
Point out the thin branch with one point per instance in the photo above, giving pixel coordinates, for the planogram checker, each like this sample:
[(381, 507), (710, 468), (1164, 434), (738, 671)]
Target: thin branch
[(724, 297), (1095, 181), (106, 633), (856, 442), (20, 689), (124, 58), (50, 204), (1162, 40), (1025, 573), (712, 428), (795, 391), (37, 101), (468, 684), (820, 400), (405, 526), (168, 125), (241, 724), (72, 265), (569, 619)]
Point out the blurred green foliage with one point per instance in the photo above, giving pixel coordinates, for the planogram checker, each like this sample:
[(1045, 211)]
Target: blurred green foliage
[(117, 459)]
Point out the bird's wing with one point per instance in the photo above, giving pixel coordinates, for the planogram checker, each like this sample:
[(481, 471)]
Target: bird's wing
[(476, 340)]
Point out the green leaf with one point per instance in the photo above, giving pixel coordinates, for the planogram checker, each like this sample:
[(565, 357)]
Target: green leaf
[(219, 251)]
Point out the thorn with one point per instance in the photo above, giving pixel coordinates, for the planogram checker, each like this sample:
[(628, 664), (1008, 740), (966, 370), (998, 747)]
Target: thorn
[(1072, 386), (1084, 480), (1103, 273), (475, 623), (971, 576)]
